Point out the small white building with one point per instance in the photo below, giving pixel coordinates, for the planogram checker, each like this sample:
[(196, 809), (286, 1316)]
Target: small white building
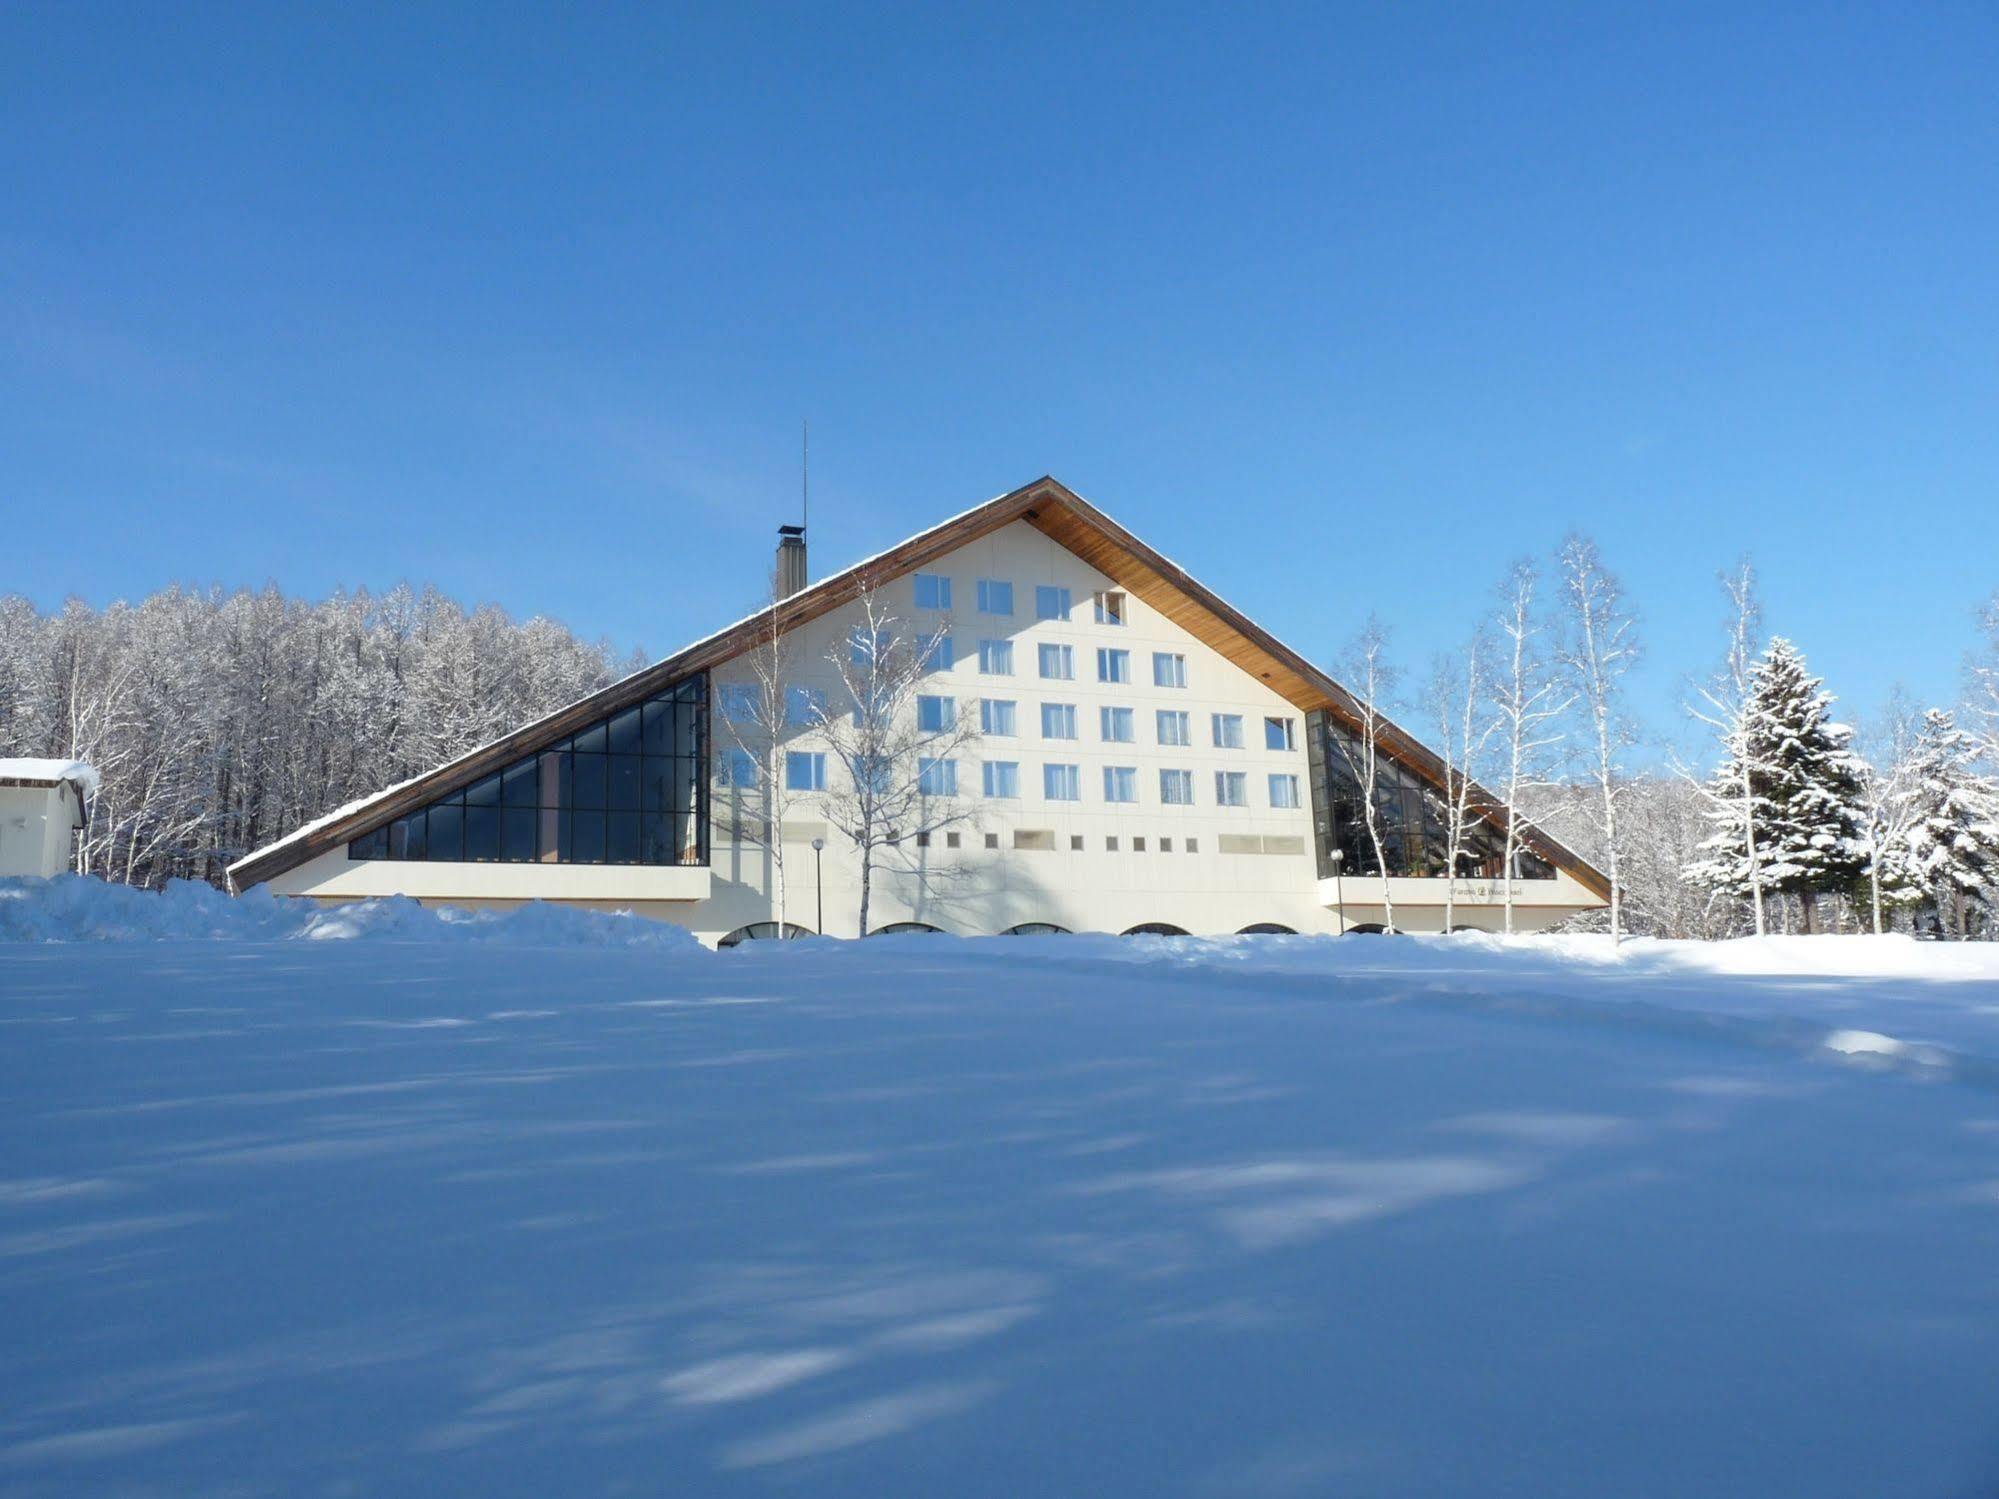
[(1148, 759), (44, 804)]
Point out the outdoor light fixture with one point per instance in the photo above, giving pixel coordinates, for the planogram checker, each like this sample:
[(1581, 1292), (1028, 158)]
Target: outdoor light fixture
[(819, 886)]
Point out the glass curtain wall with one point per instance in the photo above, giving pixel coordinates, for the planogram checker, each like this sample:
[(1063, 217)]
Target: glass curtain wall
[(1414, 819), (631, 788)]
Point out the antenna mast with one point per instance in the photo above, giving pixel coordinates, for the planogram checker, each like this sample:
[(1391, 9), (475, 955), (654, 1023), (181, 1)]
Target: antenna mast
[(804, 470)]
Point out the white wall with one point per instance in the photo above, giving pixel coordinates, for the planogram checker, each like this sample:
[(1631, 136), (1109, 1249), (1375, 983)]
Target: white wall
[(35, 827)]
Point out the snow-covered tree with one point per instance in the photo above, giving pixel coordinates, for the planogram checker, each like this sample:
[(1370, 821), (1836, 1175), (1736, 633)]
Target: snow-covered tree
[(1599, 647), (1786, 801), (1719, 704), (1528, 704), (1953, 823), (219, 721), (897, 781)]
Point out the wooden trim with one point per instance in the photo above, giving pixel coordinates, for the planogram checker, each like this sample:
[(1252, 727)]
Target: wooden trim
[(1051, 508)]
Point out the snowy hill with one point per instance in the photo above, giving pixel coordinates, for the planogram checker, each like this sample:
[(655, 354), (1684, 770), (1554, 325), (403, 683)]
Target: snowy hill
[(536, 1214)]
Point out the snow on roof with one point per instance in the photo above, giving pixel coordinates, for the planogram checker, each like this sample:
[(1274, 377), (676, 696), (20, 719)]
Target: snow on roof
[(50, 772)]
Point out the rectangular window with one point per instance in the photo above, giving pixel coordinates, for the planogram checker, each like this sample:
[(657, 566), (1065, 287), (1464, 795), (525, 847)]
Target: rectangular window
[(1002, 779), (1120, 783), (1062, 783), (939, 653), (1110, 608), (1277, 734), (1284, 791), (1193, 845), (1113, 665), (1058, 720), (1173, 728), (1228, 730), (1115, 725), (1051, 603), (1076, 843), (1110, 843), (936, 714), (1169, 669), (996, 658), (1176, 788), (936, 777), (803, 706), (996, 716), (804, 771), (1058, 662), (933, 591), (738, 702), (739, 770), (995, 596), (1138, 845), (1166, 845), (1231, 789)]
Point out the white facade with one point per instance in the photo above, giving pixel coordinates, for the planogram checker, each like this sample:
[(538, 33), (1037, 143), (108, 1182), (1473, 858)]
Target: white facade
[(42, 805), (1094, 863)]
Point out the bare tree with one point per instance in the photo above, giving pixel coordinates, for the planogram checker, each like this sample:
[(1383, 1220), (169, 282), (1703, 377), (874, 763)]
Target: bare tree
[(1530, 703), (1722, 704), (1982, 683), (1887, 806), (898, 775), (1599, 646), (1370, 678), (754, 721), (1460, 696)]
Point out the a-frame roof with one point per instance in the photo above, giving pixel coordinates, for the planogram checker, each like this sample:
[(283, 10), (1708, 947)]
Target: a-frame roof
[(1051, 508)]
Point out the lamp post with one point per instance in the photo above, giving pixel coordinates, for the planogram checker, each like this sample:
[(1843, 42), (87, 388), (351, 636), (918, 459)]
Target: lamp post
[(1339, 887), (818, 887)]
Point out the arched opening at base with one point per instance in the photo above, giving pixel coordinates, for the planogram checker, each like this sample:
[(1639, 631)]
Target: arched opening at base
[(1367, 929), (897, 928), (1156, 929), (1036, 929), (763, 931), (1462, 927), (1268, 929)]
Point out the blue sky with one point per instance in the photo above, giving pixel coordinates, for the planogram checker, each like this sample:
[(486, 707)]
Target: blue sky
[(1342, 307)]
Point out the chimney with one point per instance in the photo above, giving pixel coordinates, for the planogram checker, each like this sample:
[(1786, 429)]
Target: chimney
[(790, 560)]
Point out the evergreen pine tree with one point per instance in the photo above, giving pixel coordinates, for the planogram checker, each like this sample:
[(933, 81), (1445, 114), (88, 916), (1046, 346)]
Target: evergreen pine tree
[(1951, 846), (1799, 806)]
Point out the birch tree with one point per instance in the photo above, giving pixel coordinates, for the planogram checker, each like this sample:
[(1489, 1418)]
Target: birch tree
[(1460, 698), (1721, 704), (1370, 679), (757, 724), (1599, 646), (1529, 703), (893, 785)]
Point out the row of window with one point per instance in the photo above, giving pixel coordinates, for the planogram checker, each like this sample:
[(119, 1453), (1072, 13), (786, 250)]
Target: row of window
[(936, 713), (1054, 662), (1113, 843), (995, 597), (805, 770)]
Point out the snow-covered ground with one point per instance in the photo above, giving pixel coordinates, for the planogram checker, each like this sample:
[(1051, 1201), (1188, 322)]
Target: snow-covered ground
[(554, 1205)]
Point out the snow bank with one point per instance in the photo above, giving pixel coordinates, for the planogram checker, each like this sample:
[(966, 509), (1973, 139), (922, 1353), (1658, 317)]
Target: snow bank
[(75, 908)]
